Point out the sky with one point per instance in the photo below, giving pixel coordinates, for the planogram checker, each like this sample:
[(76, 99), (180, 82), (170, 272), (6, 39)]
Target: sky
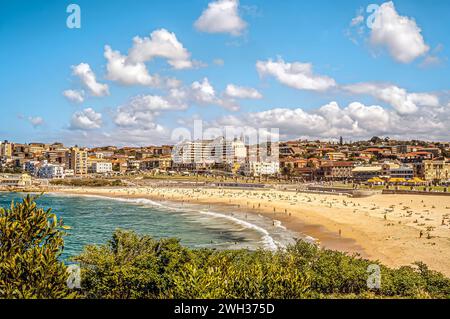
[(133, 72)]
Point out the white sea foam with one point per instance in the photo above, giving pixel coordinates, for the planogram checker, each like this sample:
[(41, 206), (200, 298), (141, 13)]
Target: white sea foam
[(267, 240), (310, 239), (278, 224)]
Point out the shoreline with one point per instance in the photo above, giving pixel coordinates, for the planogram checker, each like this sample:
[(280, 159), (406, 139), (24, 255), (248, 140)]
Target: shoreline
[(217, 209), (316, 233), (382, 227)]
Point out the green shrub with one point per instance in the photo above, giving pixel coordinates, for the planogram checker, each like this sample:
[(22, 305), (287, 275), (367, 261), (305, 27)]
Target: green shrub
[(133, 266), (31, 240)]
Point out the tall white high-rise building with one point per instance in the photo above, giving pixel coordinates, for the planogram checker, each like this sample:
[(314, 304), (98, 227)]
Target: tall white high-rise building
[(208, 152)]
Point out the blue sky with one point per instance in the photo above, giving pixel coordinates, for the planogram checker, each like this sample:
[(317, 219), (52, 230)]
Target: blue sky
[(322, 72)]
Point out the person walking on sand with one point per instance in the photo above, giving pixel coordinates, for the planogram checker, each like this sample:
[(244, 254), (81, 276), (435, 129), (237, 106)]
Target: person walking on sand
[(420, 234)]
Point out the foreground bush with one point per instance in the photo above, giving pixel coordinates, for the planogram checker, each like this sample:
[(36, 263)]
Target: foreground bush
[(31, 241), (133, 266)]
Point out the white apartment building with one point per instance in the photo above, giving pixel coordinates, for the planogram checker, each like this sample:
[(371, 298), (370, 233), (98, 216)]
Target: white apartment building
[(194, 152), (254, 168), (100, 167), (234, 151), (208, 152), (51, 171)]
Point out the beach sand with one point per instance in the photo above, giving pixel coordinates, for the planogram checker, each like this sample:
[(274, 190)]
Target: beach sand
[(397, 230)]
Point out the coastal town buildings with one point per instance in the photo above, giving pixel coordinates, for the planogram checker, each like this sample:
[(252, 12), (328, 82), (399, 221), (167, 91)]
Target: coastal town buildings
[(77, 161), (51, 171), (100, 167), (302, 160), (364, 173), (254, 168), (14, 180), (201, 154), (5, 149), (337, 170), (436, 170)]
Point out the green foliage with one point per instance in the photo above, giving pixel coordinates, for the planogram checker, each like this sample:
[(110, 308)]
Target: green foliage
[(133, 266), (31, 240)]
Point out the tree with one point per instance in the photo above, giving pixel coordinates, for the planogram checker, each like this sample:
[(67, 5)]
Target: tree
[(376, 140), (31, 242)]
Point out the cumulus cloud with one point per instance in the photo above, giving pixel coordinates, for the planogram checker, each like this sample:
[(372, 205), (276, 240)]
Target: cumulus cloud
[(401, 100), (356, 120), (87, 119), (325, 122), (239, 92), (36, 121), (88, 79), (142, 110), (74, 95), (162, 44), (118, 69), (204, 93), (131, 69), (121, 136), (221, 16), (296, 75), (400, 35)]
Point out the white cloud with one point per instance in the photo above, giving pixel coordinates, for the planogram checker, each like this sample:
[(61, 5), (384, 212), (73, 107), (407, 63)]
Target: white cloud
[(87, 77), (401, 100), (219, 62), (356, 121), (400, 35), (431, 60), (74, 95), (118, 69), (142, 110), (172, 83), (204, 93), (296, 75), (327, 121), (36, 121), (132, 69), (162, 44), (121, 136), (221, 16), (87, 119), (357, 20), (240, 92)]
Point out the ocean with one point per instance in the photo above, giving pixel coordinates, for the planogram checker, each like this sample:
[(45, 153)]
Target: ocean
[(93, 219)]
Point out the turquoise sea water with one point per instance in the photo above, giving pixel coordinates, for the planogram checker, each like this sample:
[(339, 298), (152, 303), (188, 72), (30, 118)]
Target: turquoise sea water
[(93, 219)]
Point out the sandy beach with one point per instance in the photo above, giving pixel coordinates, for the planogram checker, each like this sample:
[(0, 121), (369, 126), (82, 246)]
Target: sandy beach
[(394, 229)]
